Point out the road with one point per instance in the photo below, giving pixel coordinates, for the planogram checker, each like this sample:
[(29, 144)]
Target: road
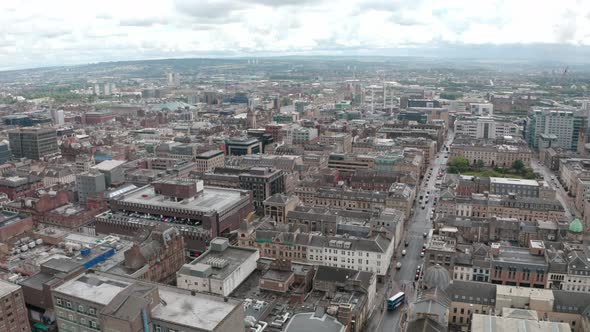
[(561, 194), (418, 224)]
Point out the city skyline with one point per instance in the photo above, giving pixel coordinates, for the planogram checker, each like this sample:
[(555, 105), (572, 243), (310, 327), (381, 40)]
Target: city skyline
[(38, 34)]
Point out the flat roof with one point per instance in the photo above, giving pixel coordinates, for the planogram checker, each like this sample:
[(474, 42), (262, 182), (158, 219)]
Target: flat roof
[(487, 323), (306, 322), (523, 182), (209, 154), (93, 288), (7, 287), (109, 165), (233, 256), (201, 311), (518, 255), (208, 200)]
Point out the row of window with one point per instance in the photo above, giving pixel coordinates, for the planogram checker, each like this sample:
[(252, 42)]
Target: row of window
[(68, 304)]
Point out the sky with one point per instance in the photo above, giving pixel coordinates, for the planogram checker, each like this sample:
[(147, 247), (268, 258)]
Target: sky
[(37, 33)]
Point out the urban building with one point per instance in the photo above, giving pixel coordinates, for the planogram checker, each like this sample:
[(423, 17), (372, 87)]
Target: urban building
[(14, 316), (156, 259), (208, 161), (5, 153), (104, 302), (219, 270), (112, 170), (216, 211), (342, 141), (239, 146), (511, 206), (33, 143), (491, 154), (565, 125), (485, 128), (90, 185)]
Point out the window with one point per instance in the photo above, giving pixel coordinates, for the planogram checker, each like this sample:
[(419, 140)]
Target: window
[(69, 304), (93, 324), (80, 308), (92, 311), (58, 300)]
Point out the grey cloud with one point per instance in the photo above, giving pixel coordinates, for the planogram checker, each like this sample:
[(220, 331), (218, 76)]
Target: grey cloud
[(405, 20), (567, 27), (208, 9), (283, 3), (142, 22)]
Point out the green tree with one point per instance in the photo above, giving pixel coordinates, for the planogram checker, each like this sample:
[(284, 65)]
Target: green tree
[(479, 164), (518, 165), (458, 165)]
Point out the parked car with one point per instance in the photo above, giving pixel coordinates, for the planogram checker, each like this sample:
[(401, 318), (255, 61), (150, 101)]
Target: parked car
[(424, 235), (398, 265), (406, 243), (404, 252)]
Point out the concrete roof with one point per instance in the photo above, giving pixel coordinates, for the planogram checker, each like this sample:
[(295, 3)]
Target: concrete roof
[(487, 323), (209, 200), (7, 287), (109, 165), (202, 311), (93, 288), (522, 182), (306, 322), (233, 256)]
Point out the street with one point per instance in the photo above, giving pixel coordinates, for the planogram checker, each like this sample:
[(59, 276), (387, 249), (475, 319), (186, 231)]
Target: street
[(417, 226), (561, 194)]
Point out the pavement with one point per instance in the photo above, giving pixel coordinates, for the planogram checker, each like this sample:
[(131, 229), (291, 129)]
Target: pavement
[(403, 279), (561, 194)]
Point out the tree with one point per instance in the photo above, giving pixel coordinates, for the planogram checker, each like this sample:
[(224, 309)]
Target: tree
[(458, 165), (480, 164), (518, 165)]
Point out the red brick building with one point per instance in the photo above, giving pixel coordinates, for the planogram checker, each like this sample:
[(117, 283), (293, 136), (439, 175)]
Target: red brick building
[(158, 258)]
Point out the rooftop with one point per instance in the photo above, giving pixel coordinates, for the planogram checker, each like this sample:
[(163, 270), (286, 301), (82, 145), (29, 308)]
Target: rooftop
[(522, 182), (519, 255), (93, 288), (202, 311), (306, 322), (218, 264), (487, 323), (109, 165), (7, 287), (210, 200)]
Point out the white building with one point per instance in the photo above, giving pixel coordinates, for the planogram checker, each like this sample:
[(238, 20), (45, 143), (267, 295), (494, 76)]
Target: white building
[(370, 255), (219, 270), (482, 109), (485, 127), (298, 135)]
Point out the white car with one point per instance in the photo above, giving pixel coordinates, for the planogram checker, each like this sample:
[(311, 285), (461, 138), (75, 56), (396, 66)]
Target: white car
[(398, 265), (404, 252)]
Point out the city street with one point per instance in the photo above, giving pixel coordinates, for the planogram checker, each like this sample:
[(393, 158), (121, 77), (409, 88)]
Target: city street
[(561, 194), (418, 225)]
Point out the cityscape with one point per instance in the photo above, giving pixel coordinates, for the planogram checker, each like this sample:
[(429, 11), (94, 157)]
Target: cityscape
[(334, 189)]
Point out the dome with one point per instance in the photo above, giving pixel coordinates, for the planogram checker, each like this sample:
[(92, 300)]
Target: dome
[(576, 226), (437, 277)]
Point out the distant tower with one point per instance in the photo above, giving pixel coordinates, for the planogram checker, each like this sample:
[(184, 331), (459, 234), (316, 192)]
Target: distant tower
[(251, 118)]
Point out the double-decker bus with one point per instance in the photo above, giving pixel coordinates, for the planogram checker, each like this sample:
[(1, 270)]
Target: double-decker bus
[(395, 301)]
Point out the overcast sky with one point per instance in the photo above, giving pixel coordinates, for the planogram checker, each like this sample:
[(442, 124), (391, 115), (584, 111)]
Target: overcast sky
[(54, 32)]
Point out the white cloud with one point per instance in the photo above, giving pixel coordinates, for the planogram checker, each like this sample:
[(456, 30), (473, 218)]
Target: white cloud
[(40, 32)]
